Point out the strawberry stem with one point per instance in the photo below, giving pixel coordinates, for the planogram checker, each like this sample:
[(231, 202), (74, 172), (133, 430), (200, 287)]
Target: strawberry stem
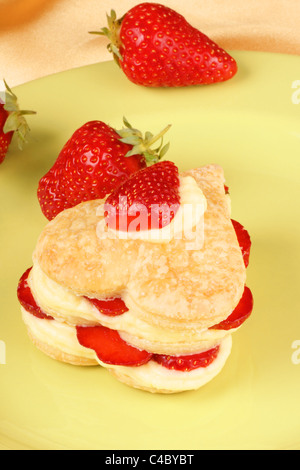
[(142, 144), (15, 121), (112, 32)]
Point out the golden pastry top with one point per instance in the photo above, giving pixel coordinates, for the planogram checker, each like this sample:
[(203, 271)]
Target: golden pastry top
[(166, 284)]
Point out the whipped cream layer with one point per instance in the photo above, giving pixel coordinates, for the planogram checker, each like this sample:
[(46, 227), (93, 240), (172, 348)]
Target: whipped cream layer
[(188, 222), (57, 335), (63, 305)]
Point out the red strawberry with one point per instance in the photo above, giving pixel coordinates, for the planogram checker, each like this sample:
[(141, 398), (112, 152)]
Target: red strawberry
[(11, 121), (5, 138), (243, 239), (155, 46), (241, 312), (110, 347), (95, 161), (26, 298), (188, 362), (150, 196), (113, 306)]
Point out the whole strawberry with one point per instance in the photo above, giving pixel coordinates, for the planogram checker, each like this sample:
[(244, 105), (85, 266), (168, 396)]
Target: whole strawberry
[(93, 163), (5, 137), (151, 195), (12, 122), (156, 47)]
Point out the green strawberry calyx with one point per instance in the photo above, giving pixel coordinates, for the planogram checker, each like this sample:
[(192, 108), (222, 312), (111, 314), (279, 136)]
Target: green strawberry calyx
[(15, 121), (112, 31), (142, 144)]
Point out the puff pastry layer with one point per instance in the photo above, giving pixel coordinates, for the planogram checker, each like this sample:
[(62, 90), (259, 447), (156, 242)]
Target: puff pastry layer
[(174, 293)]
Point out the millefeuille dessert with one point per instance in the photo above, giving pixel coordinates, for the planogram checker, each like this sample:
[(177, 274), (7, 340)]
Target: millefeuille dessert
[(150, 282)]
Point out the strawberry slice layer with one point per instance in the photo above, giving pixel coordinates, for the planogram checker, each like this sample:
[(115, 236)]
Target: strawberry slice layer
[(112, 307), (243, 239), (188, 362), (110, 347), (26, 298), (242, 311)]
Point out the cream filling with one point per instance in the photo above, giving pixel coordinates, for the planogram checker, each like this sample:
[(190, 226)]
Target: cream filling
[(188, 222), (59, 302), (56, 334), (63, 305), (150, 376)]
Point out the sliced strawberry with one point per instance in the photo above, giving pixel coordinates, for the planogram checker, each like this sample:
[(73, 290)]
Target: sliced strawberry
[(240, 314), (150, 196), (113, 306), (188, 362), (26, 298), (156, 47), (110, 347), (243, 239)]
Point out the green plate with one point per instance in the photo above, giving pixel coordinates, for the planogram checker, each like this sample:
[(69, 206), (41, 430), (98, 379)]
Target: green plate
[(250, 125)]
